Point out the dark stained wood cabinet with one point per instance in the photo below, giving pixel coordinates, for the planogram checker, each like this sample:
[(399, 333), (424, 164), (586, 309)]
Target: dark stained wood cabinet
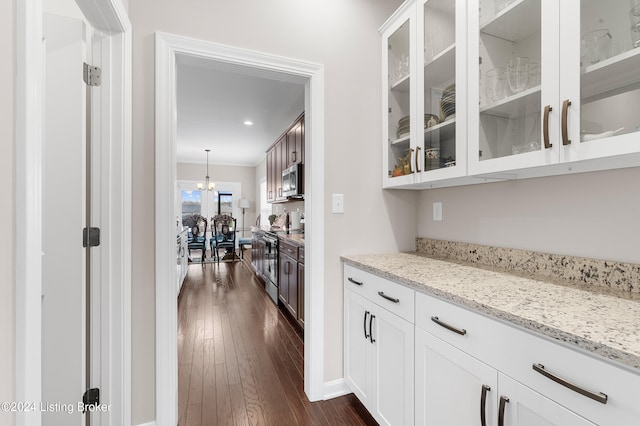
[(285, 152), (291, 279), (295, 143), (288, 277), (271, 182)]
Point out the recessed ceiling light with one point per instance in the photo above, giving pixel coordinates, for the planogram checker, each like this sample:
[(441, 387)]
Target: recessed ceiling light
[(248, 123)]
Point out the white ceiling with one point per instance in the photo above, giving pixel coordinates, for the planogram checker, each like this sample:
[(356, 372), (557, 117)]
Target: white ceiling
[(215, 98)]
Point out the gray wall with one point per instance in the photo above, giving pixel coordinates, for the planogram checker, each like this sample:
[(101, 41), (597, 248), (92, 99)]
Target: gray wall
[(7, 216), (589, 214), (341, 35)]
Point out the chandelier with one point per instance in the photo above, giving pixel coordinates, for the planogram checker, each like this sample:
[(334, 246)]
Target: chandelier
[(207, 184)]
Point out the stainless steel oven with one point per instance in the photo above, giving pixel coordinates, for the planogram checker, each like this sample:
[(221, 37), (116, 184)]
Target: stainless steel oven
[(271, 265)]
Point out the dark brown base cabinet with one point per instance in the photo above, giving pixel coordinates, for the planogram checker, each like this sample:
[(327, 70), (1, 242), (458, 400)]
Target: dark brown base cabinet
[(291, 280)]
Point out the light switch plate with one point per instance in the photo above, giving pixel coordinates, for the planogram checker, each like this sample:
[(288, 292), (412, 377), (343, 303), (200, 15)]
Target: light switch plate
[(337, 203), (437, 211)]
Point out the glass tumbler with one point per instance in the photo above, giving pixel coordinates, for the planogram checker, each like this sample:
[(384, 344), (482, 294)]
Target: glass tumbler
[(495, 84), (595, 46), (635, 35), (518, 74)]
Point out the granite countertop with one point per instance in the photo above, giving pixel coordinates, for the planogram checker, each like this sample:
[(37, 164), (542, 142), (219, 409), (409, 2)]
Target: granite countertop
[(297, 239), (600, 321)]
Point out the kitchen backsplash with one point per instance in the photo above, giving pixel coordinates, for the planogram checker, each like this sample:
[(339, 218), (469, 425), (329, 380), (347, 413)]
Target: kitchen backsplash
[(605, 273)]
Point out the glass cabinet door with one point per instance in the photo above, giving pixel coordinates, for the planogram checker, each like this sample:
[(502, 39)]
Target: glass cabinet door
[(442, 86), (600, 103), (510, 70), (399, 95), (516, 85)]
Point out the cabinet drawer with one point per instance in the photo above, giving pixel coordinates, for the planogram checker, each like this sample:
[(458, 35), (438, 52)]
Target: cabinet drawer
[(473, 333), (522, 351), (289, 249), (388, 294)]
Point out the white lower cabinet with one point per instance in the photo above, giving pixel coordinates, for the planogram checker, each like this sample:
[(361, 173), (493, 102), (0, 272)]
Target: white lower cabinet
[(452, 387), (379, 359), (521, 406), (469, 369)]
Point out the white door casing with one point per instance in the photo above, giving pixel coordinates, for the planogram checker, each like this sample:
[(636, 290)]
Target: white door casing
[(111, 179), (312, 75)]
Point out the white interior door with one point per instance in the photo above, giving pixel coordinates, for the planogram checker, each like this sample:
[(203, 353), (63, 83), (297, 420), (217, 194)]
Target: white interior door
[(64, 217)]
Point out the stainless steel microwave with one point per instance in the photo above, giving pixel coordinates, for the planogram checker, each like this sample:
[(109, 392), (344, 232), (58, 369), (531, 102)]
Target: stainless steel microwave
[(292, 182)]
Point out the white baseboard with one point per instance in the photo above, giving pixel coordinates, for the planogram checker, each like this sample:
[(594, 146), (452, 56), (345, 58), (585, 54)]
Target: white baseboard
[(153, 423), (335, 388)]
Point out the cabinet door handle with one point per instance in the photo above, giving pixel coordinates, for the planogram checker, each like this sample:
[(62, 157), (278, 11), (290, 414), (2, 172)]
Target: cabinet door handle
[(565, 110), (371, 329), (418, 159), (366, 313), (354, 281), (547, 110), (409, 162), (279, 192), (483, 404), (389, 298), (600, 397), (294, 156), (503, 403), (460, 331)]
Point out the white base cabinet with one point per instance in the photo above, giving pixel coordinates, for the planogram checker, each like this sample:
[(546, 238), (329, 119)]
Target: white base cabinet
[(183, 261), (521, 406), (379, 350), (451, 385), (458, 367)]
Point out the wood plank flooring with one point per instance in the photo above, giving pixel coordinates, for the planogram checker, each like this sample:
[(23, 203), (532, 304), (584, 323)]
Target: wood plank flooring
[(241, 360)]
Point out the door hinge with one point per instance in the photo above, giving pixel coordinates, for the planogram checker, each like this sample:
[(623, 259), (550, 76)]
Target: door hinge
[(91, 75), (90, 237), (91, 398)]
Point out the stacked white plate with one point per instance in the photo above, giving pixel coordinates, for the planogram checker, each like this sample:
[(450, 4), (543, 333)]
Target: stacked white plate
[(448, 101)]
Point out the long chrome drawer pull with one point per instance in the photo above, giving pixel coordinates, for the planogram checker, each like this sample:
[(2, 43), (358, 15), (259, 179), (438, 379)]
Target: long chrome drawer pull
[(460, 331), (600, 397), (503, 404), (392, 299), (483, 404), (354, 281)]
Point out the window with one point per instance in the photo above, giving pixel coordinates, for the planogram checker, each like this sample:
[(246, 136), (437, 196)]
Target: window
[(225, 203), (191, 203)]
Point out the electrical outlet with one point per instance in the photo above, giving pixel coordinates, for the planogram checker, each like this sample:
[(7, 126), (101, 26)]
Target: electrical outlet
[(437, 211), (338, 203)]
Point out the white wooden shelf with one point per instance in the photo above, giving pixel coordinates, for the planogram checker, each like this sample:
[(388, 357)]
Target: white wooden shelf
[(515, 22), (515, 106)]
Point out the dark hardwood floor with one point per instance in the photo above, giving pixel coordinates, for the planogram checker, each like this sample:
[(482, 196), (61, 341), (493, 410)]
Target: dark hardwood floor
[(241, 360)]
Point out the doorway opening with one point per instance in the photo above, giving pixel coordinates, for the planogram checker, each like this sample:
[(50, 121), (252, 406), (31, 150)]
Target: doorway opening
[(168, 47)]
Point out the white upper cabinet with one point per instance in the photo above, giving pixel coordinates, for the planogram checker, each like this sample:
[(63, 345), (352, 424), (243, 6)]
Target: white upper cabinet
[(500, 89), (599, 79), (553, 90), (399, 97), (424, 79), (513, 78)]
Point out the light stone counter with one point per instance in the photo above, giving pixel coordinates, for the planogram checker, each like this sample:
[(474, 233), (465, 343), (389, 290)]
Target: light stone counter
[(600, 321)]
